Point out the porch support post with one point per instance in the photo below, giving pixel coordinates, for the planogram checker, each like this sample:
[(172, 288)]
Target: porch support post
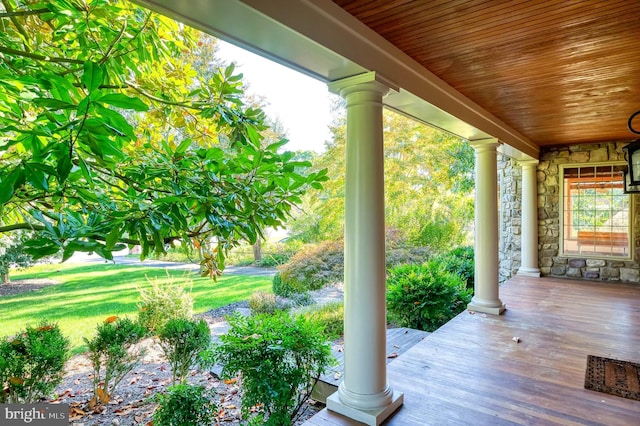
[(364, 395), (486, 297), (529, 242)]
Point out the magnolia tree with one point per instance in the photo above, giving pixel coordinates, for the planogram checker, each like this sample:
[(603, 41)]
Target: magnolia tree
[(116, 130)]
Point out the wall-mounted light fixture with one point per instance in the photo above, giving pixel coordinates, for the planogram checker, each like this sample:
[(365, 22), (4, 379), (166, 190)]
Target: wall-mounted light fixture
[(628, 187), (632, 155)]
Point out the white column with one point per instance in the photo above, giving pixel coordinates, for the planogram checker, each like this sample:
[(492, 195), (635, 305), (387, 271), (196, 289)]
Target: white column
[(486, 295), (529, 242), (364, 395)]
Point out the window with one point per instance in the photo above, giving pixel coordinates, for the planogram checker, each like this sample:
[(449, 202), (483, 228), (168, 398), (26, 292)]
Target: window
[(595, 211)]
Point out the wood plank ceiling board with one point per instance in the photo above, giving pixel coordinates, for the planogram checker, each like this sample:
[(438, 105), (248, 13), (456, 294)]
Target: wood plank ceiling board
[(558, 72)]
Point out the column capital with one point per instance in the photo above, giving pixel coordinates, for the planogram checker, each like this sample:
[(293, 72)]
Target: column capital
[(370, 81), (485, 144), (528, 163)]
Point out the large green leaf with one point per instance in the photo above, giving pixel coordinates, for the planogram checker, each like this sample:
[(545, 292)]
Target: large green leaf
[(92, 76), (123, 101)]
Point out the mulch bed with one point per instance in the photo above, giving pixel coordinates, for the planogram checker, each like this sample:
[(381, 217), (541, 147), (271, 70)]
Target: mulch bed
[(133, 403), (612, 376), (23, 286)]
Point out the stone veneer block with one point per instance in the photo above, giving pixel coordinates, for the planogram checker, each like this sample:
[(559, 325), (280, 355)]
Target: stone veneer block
[(577, 263)]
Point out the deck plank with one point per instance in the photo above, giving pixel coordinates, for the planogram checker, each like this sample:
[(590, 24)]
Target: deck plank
[(470, 371)]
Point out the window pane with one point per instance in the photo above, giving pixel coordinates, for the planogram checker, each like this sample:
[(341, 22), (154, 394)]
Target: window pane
[(596, 211)]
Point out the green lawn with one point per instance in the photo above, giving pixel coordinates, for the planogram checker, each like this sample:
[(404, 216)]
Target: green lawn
[(89, 293)]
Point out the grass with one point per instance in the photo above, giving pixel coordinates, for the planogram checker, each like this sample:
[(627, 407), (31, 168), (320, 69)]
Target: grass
[(89, 293)]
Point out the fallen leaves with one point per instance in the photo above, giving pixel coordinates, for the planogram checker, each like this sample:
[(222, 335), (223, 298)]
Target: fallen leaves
[(75, 412), (16, 380), (110, 319)]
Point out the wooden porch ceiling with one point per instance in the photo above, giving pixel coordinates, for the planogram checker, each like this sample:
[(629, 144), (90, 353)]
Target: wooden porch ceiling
[(471, 372), (558, 72)]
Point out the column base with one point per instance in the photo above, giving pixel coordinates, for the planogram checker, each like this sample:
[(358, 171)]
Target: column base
[(497, 309), (529, 272), (368, 417)]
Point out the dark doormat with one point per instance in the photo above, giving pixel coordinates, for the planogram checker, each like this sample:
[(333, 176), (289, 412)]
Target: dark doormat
[(619, 378)]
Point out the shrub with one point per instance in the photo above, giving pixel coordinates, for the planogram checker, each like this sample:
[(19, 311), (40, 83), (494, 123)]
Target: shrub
[(262, 302), (425, 296), (162, 301), (279, 288), (185, 405), (182, 340), (274, 259), (302, 299), (113, 354), (460, 261), (403, 256), (280, 358), (32, 363), (312, 269), (331, 316)]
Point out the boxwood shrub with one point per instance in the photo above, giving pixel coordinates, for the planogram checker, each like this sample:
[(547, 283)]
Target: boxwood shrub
[(425, 296)]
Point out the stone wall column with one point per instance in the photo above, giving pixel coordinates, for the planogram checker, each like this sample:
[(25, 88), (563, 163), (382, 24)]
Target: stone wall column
[(529, 248), (364, 395), (486, 297)]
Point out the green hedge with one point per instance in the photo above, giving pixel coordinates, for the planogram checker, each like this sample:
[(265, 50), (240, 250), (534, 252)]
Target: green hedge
[(425, 296)]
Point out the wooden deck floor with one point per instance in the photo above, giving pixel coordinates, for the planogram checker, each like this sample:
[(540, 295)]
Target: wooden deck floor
[(471, 372)]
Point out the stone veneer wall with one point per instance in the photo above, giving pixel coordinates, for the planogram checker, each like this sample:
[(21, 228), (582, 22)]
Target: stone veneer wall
[(510, 210), (548, 177)]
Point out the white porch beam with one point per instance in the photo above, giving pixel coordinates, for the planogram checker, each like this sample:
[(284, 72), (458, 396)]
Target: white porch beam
[(529, 239), (486, 290), (364, 395)]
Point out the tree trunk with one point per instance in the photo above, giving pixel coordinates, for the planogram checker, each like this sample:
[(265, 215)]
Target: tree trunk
[(5, 278), (257, 250)]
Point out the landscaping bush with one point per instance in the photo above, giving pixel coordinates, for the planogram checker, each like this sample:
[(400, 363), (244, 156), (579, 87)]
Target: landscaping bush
[(113, 354), (403, 256), (331, 316), (262, 302), (279, 357), (302, 299), (184, 405), (271, 260), (311, 269), (279, 288), (163, 300), (323, 264), (32, 363), (460, 261), (425, 296), (182, 341)]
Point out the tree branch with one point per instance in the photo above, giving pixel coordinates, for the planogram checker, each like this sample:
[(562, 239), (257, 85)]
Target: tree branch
[(18, 226), (23, 13), (17, 24), (53, 59), (113, 43), (164, 101)]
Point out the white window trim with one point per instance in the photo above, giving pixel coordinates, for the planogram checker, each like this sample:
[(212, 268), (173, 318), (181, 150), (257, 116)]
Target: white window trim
[(561, 213)]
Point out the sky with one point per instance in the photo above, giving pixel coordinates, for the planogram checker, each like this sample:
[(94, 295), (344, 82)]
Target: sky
[(302, 103)]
